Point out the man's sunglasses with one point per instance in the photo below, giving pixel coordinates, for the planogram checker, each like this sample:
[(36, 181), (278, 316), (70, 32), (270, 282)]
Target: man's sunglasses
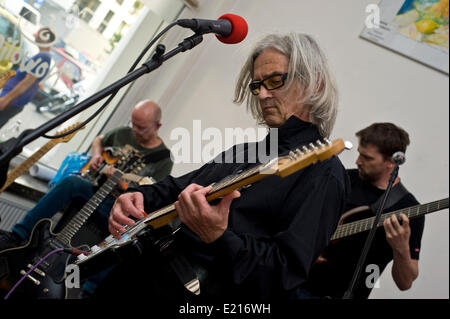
[(270, 83)]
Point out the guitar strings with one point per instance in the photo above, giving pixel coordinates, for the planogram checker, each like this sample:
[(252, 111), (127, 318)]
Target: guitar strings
[(352, 228), (80, 218)]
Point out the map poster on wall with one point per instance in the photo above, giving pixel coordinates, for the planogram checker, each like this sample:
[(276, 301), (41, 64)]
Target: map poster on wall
[(417, 29)]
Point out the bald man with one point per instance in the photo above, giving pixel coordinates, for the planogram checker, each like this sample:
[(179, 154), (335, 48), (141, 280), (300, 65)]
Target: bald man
[(143, 136), (74, 190)]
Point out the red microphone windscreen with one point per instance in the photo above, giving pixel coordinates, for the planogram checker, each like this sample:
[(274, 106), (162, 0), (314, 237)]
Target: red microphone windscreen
[(239, 31)]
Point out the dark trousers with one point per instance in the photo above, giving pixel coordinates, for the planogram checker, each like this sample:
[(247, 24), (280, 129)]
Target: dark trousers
[(69, 189)]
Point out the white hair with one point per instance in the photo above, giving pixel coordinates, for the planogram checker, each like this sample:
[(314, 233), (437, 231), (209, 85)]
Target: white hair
[(308, 68)]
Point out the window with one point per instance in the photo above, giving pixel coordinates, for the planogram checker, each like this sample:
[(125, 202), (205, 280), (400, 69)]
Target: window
[(29, 15), (90, 4), (83, 47), (87, 8), (105, 21), (137, 6), (122, 25), (9, 29)]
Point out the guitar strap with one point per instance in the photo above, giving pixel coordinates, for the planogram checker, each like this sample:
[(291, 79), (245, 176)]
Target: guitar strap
[(178, 262), (156, 156), (183, 268), (397, 193)]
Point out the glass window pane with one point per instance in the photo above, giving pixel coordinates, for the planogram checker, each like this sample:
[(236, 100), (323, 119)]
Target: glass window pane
[(87, 32)]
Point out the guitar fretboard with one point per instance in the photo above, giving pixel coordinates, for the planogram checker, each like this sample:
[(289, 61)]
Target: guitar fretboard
[(224, 183), (366, 224), (80, 218), (230, 180)]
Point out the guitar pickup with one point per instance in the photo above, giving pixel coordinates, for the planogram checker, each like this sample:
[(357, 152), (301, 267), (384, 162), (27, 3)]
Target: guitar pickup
[(34, 280), (36, 270)]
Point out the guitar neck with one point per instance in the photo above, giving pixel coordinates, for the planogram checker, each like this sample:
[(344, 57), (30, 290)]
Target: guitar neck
[(282, 166), (132, 177), (366, 224), (25, 165), (80, 218), (165, 215)]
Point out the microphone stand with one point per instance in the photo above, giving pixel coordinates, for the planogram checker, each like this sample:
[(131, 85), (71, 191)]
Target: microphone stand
[(14, 146), (362, 258)]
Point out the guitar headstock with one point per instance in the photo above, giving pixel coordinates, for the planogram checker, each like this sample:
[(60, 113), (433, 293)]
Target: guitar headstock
[(130, 161), (301, 158), (137, 165), (133, 164), (67, 138)]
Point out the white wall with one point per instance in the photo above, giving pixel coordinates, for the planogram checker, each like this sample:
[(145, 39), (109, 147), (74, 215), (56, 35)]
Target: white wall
[(375, 85)]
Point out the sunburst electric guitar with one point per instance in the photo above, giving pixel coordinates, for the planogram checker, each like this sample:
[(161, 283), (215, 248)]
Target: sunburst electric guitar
[(112, 250)]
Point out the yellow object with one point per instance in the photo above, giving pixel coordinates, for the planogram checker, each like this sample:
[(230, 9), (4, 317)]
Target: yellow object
[(4, 77), (10, 39), (426, 26), (441, 7)]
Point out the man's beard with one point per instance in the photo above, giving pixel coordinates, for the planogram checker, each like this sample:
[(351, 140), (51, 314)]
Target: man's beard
[(367, 177)]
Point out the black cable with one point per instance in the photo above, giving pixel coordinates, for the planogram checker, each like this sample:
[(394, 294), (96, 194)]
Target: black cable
[(90, 118)]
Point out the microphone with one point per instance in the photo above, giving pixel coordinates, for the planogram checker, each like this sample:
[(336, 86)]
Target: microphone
[(229, 28), (398, 158)]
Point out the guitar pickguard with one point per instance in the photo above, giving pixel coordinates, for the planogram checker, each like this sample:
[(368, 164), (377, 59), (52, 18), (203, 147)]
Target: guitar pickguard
[(47, 280)]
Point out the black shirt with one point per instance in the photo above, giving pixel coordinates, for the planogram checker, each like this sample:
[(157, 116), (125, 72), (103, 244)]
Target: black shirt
[(334, 278), (276, 229)]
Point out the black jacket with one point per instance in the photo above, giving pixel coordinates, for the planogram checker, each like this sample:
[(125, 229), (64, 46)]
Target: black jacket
[(276, 229)]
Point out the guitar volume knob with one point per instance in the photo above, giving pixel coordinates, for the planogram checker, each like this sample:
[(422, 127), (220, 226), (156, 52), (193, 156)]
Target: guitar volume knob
[(95, 248), (81, 257)]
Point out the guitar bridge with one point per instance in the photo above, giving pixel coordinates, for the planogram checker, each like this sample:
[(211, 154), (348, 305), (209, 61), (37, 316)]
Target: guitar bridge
[(36, 270), (34, 280), (193, 286)]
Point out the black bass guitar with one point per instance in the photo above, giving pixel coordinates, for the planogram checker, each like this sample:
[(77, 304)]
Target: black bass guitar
[(347, 229), (47, 281)]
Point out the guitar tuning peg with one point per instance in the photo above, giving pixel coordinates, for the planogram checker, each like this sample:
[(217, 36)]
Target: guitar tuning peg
[(326, 140), (348, 145), (305, 149), (292, 155), (319, 144), (298, 152), (312, 147)]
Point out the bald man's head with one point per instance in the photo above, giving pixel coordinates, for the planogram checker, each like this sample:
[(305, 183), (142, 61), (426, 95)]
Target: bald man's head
[(146, 120), (147, 109)]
